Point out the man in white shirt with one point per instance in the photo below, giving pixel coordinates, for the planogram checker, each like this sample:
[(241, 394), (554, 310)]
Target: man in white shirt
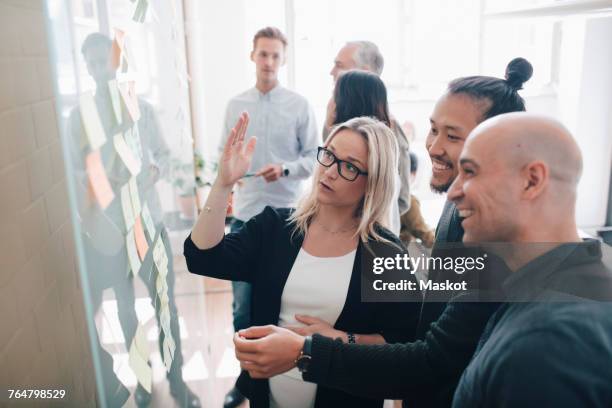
[(285, 155)]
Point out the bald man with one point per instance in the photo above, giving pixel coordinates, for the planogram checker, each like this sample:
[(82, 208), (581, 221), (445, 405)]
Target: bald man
[(550, 343)]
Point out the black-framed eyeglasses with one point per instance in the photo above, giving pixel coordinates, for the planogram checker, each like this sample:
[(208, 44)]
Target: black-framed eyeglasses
[(346, 170)]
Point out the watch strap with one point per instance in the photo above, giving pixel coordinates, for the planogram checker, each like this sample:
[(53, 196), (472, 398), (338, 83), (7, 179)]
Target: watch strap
[(307, 349)]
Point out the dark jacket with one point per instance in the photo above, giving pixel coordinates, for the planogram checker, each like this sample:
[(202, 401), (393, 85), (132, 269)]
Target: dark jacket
[(551, 344), (262, 253), (423, 373)]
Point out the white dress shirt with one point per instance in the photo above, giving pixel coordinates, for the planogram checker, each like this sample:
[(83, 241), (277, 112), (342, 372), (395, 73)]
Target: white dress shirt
[(286, 131)]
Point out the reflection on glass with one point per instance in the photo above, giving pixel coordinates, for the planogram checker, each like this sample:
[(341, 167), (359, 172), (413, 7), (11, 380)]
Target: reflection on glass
[(132, 156)]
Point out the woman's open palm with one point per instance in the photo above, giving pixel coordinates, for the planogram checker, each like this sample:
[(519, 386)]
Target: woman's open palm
[(237, 155)]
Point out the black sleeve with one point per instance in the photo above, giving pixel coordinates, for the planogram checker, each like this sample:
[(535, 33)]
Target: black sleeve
[(238, 254), (550, 368), (395, 371)]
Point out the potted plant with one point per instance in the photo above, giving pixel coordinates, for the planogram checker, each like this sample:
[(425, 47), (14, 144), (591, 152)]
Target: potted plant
[(183, 179)]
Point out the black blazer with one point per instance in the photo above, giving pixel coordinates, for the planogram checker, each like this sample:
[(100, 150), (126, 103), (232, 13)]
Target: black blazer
[(262, 253)]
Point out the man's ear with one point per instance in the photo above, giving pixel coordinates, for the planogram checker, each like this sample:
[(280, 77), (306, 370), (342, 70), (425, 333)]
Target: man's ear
[(535, 179), (253, 55)]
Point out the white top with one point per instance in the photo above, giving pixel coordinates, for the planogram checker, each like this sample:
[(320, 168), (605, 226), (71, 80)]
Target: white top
[(286, 131), (315, 287)]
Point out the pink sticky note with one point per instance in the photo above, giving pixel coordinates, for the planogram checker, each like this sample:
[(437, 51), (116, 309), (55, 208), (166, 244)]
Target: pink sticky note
[(128, 92), (117, 49), (141, 240), (98, 180)]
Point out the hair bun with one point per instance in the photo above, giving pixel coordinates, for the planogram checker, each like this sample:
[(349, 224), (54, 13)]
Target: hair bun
[(518, 71)]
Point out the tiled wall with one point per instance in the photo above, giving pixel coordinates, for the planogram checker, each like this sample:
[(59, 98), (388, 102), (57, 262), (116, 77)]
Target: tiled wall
[(43, 338)]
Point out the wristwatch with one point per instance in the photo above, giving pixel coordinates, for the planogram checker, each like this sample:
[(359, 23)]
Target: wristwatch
[(284, 171), (303, 360)]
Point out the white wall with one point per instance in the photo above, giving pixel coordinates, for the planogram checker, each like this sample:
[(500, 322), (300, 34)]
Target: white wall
[(218, 54), (585, 99)]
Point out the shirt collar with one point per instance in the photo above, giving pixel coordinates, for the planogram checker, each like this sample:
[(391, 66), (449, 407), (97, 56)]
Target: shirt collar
[(532, 279), (270, 96)]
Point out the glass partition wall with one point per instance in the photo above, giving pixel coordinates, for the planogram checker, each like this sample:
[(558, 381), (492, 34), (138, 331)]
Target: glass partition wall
[(123, 104)]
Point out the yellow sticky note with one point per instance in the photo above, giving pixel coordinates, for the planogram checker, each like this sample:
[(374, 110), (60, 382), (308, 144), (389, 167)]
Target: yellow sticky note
[(161, 285), (135, 196), (97, 179), (91, 121), (115, 99), (126, 206), (128, 158), (164, 319), (141, 342), (132, 251), (160, 258), (168, 348), (139, 366)]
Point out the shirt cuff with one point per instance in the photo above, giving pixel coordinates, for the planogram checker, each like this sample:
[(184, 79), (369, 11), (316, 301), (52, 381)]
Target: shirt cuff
[(292, 167)]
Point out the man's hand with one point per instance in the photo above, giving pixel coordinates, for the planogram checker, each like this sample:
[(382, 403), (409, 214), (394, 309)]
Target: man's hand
[(316, 325), (265, 351), (271, 172)]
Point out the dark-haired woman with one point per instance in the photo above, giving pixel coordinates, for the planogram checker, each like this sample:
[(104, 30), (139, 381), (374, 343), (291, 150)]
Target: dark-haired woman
[(424, 373), (362, 93)]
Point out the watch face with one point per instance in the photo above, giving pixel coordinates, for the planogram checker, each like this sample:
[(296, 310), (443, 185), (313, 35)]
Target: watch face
[(303, 362), (285, 172)]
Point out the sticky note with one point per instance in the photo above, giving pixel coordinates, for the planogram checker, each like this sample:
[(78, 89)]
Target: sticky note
[(126, 154), (161, 285), (148, 221), (132, 139), (164, 299), (130, 243), (141, 240), (168, 348), (126, 207), (160, 258), (164, 319), (141, 342), (115, 99), (91, 121), (128, 92), (117, 48), (139, 366), (141, 11), (97, 178), (135, 196)]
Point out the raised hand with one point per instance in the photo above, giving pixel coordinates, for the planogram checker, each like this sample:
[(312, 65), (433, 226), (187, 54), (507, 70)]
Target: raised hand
[(237, 155)]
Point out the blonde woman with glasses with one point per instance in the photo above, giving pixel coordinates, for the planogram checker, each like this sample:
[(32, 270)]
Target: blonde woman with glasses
[(305, 264)]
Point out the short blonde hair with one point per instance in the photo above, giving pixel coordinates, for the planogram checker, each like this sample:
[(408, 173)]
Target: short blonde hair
[(382, 166)]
